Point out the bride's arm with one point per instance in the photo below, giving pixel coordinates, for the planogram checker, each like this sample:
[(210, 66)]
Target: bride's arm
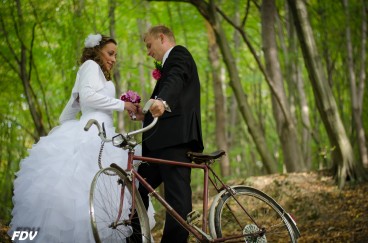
[(70, 112), (90, 82)]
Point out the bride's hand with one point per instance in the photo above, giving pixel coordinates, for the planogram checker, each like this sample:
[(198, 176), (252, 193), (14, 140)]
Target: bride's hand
[(139, 115), (131, 108)]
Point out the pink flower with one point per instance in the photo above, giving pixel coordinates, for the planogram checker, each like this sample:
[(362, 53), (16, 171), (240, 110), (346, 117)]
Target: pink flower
[(130, 96), (156, 74)]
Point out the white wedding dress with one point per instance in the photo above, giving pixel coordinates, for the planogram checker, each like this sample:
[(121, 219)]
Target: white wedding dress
[(51, 189)]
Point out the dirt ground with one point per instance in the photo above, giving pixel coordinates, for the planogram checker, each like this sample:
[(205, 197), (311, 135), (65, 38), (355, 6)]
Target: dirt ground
[(322, 211)]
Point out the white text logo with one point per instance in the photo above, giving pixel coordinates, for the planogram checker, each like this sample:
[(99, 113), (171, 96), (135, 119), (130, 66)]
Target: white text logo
[(25, 233)]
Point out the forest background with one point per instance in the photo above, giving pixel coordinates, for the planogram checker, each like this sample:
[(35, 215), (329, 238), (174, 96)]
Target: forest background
[(282, 82)]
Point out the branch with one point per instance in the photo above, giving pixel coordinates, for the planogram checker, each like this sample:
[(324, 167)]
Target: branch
[(203, 7), (246, 14), (40, 24), (31, 53), (260, 66), (7, 40), (43, 94), (15, 25), (9, 63), (200, 4)]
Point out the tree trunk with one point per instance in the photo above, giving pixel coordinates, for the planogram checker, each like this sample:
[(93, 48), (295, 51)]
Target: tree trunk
[(296, 89), (142, 27), (293, 159), (26, 77), (220, 102), (356, 90), (209, 12), (343, 157), (116, 72)]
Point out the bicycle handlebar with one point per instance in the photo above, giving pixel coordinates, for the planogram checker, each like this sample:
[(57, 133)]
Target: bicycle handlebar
[(90, 123), (102, 133)]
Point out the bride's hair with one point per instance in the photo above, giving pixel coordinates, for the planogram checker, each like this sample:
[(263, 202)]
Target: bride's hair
[(93, 53)]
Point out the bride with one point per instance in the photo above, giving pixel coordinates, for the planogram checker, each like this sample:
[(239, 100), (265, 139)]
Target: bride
[(51, 189)]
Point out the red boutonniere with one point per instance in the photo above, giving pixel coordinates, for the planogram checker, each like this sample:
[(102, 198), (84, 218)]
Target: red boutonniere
[(131, 96), (156, 73)]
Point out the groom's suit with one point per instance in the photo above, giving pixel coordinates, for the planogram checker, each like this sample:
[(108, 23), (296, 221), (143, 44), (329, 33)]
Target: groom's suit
[(176, 133), (179, 87)]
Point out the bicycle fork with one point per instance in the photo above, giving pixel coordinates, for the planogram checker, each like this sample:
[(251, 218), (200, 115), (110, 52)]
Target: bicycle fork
[(116, 223)]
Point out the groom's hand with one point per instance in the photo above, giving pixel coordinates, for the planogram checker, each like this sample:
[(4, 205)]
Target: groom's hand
[(157, 108)]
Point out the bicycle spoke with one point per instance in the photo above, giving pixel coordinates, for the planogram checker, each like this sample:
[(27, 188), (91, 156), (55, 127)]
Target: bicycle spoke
[(105, 201), (250, 214)]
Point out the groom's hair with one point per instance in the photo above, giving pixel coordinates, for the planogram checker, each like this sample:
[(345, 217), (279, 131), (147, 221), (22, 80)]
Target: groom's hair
[(159, 29)]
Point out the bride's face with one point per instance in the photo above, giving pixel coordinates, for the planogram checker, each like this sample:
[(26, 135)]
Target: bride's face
[(108, 55)]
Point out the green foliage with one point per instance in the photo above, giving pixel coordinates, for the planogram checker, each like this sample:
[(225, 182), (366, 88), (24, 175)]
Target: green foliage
[(60, 27)]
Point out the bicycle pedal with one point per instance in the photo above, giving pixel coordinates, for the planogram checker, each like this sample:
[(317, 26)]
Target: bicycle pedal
[(193, 217)]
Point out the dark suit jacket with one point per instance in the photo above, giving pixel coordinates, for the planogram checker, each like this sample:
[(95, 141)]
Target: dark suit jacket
[(179, 87)]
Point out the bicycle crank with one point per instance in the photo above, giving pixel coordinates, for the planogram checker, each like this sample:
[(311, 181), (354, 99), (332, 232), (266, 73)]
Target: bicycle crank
[(193, 217), (253, 235)]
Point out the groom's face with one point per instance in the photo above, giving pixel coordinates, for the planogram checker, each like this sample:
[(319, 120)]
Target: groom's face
[(154, 45)]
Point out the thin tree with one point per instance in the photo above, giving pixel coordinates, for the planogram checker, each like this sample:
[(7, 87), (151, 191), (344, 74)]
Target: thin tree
[(209, 12), (297, 93), (220, 102), (286, 129), (21, 63), (345, 165), (357, 83)]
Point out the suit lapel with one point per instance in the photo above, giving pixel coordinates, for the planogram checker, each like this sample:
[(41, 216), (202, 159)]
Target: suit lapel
[(156, 89)]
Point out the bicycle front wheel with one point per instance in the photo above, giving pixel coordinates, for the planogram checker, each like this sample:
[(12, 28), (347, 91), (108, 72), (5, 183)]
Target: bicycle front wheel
[(249, 215), (110, 208)]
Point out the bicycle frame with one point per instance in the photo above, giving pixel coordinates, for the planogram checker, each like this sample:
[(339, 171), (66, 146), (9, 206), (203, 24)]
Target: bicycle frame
[(203, 236), (127, 142)]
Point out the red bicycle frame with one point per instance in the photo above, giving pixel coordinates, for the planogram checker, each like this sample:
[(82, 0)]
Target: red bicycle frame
[(153, 192)]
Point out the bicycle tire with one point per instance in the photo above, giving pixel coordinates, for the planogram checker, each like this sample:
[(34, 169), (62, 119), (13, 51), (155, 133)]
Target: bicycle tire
[(228, 219), (105, 194)]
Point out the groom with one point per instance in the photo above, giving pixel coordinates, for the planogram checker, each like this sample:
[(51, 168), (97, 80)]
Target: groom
[(176, 99)]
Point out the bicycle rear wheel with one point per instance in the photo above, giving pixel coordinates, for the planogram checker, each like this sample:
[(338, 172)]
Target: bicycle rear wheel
[(266, 222), (109, 214)]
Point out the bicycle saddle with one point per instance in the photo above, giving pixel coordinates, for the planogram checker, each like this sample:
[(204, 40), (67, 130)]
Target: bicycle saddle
[(200, 158)]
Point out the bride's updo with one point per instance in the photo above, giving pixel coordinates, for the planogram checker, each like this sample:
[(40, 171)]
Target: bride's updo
[(92, 50)]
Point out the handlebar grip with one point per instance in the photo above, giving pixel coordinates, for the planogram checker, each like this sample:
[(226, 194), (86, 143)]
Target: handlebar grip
[(89, 124), (147, 106)]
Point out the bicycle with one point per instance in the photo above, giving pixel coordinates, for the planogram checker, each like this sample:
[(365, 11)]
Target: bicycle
[(237, 214)]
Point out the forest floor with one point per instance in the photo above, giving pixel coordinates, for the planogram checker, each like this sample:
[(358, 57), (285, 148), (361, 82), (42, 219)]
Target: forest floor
[(322, 211)]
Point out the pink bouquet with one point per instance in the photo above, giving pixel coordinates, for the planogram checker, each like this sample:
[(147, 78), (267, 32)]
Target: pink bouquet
[(133, 97)]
